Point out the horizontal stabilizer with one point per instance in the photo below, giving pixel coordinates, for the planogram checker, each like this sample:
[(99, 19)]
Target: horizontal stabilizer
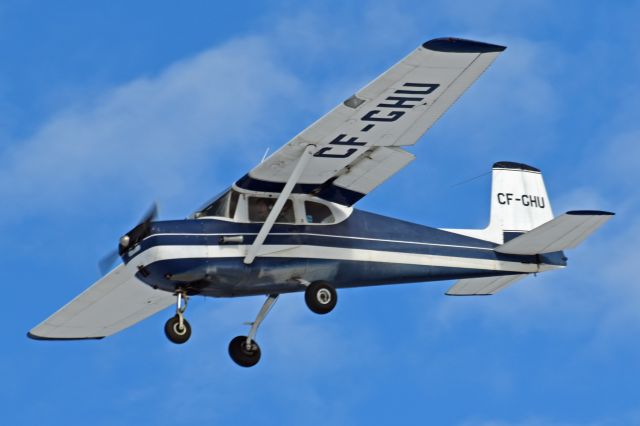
[(563, 232), (116, 301), (482, 286)]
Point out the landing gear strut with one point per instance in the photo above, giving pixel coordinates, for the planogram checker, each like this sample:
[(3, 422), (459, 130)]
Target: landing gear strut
[(177, 328), (244, 350), (321, 297)]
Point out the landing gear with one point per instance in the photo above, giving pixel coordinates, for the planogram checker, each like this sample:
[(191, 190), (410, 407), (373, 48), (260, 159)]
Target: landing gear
[(177, 328), (244, 350), (176, 332), (321, 297)]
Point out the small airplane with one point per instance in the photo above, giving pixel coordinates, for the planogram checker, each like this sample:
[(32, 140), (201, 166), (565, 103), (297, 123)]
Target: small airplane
[(289, 224)]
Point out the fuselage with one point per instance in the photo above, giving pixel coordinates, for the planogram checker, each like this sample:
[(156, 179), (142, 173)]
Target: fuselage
[(205, 256)]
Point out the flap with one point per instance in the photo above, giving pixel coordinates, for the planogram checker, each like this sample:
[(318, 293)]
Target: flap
[(374, 168)]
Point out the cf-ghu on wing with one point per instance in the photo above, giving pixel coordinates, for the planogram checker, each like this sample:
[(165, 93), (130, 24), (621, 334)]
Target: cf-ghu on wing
[(359, 143)]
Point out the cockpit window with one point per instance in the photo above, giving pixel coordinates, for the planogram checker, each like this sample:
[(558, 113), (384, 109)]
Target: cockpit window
[(225, 206), (259, 209), (318, 213)]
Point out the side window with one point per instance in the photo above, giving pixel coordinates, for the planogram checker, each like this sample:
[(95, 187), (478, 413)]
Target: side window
[(259, 209), (318, 213), (233, 203)]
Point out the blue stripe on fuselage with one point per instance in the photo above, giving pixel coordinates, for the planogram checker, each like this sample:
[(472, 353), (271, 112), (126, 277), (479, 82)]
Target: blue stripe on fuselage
[(361, 230), (340, 242)]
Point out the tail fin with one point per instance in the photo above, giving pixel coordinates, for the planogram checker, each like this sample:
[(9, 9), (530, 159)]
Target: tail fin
[(519, 200), (519, 203)]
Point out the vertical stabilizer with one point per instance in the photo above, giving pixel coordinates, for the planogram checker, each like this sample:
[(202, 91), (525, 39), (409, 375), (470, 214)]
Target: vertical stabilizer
[(519, 200), (519, 203)]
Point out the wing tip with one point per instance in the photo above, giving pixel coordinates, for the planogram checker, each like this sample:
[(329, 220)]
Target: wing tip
[(30, 335), (460, 45), (467, 294), (590, 213)]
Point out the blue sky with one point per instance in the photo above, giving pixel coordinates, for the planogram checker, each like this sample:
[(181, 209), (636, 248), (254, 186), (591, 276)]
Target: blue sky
[(107, 107)]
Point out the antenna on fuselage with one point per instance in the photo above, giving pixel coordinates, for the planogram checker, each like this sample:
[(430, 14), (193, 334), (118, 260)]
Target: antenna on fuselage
[(469, 179), (264, 157)]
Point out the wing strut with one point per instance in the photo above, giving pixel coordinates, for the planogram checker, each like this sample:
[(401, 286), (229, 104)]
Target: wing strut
[(279, 204)]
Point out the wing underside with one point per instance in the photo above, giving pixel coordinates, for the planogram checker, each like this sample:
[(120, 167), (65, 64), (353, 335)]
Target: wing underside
[(113, 303), (358, 143), (482, 286)]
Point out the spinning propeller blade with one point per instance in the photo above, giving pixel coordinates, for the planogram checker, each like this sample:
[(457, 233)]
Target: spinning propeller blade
[(129, 239), (151, 214), (106, 263)]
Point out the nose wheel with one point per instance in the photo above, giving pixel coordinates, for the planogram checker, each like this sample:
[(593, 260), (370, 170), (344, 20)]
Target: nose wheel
[(177, 329), (176, 332)]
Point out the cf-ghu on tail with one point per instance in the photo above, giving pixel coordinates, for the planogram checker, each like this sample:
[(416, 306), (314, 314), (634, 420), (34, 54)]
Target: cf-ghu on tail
[(289, 224), (522, 223)]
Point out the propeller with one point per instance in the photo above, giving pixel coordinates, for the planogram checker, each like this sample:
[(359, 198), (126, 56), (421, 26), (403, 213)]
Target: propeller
[(130, 239), (106, 263)]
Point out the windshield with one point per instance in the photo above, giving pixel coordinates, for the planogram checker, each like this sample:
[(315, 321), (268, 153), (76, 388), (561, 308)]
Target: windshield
[(224, 206)]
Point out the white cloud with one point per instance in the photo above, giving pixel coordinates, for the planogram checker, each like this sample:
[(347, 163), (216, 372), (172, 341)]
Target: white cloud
[(157, 134), (618, 164), (514, 100), (581, 198), (508, 16), (161, 136), (616, 287)]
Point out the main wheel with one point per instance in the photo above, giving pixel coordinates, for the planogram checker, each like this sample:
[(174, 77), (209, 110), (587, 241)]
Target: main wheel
[(175, 333), (321, 297), (241, 355)]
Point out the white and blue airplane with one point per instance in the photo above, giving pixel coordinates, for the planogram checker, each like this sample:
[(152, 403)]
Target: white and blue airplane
[(289, 224)]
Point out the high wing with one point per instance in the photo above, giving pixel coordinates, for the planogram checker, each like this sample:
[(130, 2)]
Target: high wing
[(116, 301), (358, 143)]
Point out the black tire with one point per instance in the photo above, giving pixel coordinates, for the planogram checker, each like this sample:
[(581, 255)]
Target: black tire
[(173, 331), (241, 355), (321, 297)]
